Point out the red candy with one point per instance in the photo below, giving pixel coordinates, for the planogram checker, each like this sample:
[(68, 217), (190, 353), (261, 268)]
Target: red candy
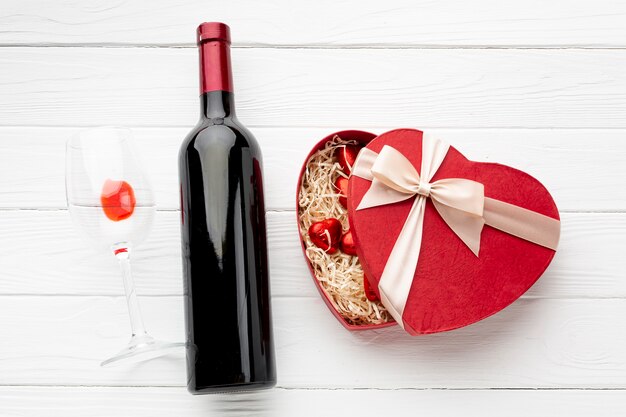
[(118, 200), (346, 156), (369, 292), (341, 184), (347, 244), (326, 234)]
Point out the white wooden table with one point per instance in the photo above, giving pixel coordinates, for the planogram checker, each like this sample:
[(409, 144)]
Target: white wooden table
[(539, 85)]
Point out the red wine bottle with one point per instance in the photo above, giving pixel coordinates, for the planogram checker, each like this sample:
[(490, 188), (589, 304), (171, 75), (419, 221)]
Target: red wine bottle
[(226, 282)]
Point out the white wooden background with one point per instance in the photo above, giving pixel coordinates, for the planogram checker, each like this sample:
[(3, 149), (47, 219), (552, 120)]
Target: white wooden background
[(540, 85)]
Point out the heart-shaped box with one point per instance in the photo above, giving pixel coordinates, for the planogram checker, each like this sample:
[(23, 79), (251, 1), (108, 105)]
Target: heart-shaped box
[(363, 138), (451, 286)]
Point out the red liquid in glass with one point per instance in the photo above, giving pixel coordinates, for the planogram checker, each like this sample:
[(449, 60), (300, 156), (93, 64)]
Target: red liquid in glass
[(118, 200)]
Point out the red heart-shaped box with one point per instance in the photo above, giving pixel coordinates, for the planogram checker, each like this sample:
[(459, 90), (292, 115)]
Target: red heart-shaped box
[(363, 138), (452, 287)]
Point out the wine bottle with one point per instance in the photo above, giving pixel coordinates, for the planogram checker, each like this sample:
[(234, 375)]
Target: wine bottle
[(224, 249)]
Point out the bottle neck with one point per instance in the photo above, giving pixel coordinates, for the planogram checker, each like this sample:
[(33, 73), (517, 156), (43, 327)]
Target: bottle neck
[(217, 105), (216, 80)]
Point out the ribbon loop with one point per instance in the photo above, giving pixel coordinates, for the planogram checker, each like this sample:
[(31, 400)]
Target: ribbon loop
[(404, 178), (460, 194)]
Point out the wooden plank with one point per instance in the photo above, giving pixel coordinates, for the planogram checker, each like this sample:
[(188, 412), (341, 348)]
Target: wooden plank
[(322, 23), (532, 344), (589, 264), (347, 88), (32, 162), (167, 402)]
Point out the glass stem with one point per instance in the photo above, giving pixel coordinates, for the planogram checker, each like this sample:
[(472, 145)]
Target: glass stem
[(136, 321)]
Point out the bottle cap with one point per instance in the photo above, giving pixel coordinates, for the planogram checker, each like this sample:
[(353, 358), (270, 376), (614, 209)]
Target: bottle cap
[(213, 31)]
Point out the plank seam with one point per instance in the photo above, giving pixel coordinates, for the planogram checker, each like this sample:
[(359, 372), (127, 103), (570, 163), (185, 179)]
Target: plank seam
[(283, 297), (335, 127), (283, 210), (288, 388), (319, 127), (101, 45)]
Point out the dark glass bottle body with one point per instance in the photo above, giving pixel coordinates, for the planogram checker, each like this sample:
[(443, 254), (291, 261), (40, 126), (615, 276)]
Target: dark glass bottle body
[(225, 267)]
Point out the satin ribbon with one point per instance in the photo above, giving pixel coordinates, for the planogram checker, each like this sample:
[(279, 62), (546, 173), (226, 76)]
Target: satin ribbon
[(460, 202)]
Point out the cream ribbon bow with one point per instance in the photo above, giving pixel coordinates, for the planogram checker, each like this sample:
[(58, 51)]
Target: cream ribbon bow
[(460, 202)]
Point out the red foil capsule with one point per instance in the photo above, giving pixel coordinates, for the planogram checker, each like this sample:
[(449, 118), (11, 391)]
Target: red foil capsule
[(213, 31), (214, 45)]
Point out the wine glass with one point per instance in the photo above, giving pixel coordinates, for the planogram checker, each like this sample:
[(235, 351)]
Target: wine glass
[(111, 202)]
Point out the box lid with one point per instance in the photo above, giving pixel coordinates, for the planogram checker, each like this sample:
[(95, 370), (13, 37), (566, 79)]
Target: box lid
[(451, 286)]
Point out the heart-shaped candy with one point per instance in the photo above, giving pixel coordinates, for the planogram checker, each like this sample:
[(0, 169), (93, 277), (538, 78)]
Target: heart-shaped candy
[(347, 244), (326, 234), (346, 156), (370, 294), (341, 184)]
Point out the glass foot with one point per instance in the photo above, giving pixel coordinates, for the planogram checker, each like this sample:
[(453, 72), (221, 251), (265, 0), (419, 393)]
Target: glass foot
[(142, 348)]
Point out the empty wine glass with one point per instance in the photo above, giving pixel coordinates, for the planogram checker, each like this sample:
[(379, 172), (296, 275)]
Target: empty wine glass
[(111, 202)]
